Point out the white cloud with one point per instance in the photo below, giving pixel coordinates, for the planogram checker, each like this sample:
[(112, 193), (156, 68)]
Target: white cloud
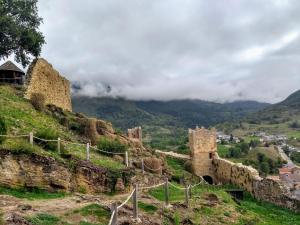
[(174, 49)]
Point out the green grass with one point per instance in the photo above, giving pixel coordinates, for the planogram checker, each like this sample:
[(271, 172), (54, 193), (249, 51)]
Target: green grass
[(45, 219), (32, 194), (102, 214), (223, 150), (269, 213), (176, 167), (151, 209), (250, 211)]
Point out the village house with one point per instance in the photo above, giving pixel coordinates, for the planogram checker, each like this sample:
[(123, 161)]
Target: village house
[(10, 73)]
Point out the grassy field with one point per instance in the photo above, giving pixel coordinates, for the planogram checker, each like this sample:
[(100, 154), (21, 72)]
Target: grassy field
[(31, 194), (93, 214), (227, 211)]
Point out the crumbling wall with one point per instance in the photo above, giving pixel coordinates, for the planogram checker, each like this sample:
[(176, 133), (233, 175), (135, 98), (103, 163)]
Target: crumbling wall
[(203, 149), (264, 189), (43, 78), (135, 134)]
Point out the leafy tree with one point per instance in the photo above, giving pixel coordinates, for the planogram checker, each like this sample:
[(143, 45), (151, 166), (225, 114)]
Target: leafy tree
[(295, 124), (19, 34), (264, 167), (244, 148), (295, 156), (254, 143), (261, 157)]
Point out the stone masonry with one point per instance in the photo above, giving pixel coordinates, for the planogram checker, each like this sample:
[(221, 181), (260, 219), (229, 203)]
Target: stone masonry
[(43, 78), (135, 134), (205, 162), (203, 149)]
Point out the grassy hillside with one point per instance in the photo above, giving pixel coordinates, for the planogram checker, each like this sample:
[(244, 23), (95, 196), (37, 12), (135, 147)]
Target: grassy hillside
[(164, 124), (21, 118)]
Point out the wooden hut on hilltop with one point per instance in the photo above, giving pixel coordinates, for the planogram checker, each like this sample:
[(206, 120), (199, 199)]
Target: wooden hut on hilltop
[(10, 73)]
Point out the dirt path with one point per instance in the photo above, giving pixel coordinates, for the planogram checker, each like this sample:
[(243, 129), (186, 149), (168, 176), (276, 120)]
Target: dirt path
[(11, 205)]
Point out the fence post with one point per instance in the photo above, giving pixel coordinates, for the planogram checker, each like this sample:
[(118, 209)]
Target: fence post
[(186, 194), (115, 218), (58, 145), (167, 192), (143, 166), (31, 138), (88, 151), (126, 159), (135, 202)]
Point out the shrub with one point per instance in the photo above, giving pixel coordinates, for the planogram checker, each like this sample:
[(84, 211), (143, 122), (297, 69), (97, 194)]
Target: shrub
[(3, 130), (38, 101), (47, 134), (111, 145), (23, 147)]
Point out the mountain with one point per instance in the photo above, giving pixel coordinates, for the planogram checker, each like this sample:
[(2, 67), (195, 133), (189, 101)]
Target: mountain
[(163, 120), (282, 112)]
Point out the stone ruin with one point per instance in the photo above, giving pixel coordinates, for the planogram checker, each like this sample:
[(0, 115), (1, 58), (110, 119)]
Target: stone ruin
[(206, 163), (44, 79), (203, 147), (135, 134)]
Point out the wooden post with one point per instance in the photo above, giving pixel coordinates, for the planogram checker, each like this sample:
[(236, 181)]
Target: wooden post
[(88, 151), (115, 218), (167, 192), (135, 202), (186, 194), (143, 166), (58, 145), (126, 159), (31, 138)]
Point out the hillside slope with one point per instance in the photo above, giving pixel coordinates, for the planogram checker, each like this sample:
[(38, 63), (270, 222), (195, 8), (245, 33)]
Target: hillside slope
[(280, 118), (164, 123)]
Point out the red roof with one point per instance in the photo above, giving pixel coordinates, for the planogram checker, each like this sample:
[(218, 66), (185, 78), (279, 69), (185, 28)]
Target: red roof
[(285, 170)]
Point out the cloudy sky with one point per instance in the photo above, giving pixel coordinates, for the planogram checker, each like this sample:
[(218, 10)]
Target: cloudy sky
[(174, 49)]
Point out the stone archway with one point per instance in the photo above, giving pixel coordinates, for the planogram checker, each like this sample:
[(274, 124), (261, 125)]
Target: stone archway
[(208, 179)]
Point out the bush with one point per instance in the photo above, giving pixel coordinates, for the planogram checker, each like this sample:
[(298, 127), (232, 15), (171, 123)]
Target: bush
[(3, 130), (294, 124), (23, 147), (47, 134), (38, 101), (111, 145)]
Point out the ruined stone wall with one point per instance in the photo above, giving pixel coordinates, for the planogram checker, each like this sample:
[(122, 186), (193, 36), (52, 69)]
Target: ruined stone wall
[(263, 189), (203, 149), (135, 133), (43, 78)]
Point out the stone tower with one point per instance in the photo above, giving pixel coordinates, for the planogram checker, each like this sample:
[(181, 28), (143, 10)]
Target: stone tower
[(203, 145)]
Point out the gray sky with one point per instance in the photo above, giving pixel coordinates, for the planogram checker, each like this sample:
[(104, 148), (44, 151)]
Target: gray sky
[(173, 49)]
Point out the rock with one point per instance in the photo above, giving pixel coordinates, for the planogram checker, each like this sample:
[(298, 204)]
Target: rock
[(118, 158), (16, 219), (119, 187), (153, 165), (25, 207)]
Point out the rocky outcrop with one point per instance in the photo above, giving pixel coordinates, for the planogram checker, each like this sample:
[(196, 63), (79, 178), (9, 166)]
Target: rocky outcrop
[(44, 79), (20, 170)]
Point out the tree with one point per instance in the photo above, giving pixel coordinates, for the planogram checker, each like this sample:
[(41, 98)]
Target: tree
[(19, 34)]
